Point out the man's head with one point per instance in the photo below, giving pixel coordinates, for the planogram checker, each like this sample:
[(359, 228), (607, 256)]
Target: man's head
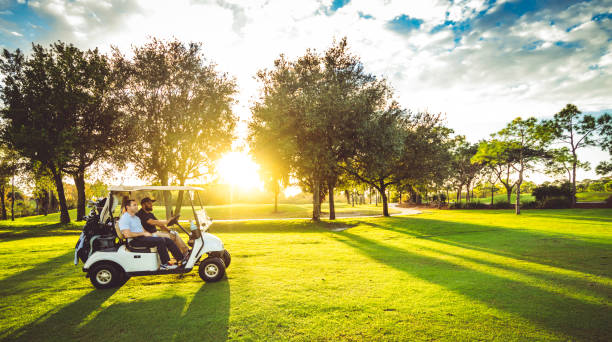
[(147, 204), (130, 206)]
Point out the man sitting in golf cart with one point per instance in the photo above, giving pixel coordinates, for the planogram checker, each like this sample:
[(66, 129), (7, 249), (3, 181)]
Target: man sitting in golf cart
[(132, 229), (149, 222)]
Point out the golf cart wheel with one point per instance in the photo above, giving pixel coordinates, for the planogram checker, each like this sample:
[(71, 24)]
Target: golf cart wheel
[(227, 258), (104, 276), (211, 269)]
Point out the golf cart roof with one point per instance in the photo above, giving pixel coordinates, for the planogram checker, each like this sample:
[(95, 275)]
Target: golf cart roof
[(152, 188)]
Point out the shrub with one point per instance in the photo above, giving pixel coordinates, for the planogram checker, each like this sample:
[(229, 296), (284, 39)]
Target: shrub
[(543, 192), (529, 205), (502, 205), (555, 203)]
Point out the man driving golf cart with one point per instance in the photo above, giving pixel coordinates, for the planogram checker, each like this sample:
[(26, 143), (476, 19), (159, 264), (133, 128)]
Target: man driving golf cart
[(132, 229), (109, 260), (150, 224)]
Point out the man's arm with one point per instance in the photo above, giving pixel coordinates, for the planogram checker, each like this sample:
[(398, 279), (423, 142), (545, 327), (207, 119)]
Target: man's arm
[(129, 234), (160, 223)]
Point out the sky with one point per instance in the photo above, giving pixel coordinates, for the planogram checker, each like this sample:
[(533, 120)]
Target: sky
[(481, 62)]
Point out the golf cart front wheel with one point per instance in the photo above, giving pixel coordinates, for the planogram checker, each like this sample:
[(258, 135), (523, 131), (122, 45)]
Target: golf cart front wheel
[(211, 269), (227, 258), (105, 276)]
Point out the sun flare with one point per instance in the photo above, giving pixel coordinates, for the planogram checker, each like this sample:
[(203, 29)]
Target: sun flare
[(238, 169)]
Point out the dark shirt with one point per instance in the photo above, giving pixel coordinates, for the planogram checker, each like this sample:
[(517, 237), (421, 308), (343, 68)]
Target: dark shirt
[(144, 217)]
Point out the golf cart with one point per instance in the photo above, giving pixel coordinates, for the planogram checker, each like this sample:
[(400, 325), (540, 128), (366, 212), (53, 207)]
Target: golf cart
[(109, 259)]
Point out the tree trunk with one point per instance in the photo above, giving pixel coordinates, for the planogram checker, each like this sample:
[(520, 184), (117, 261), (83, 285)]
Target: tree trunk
[(518, 193), (79, 182), (331, 183), (384, 199), (13, 198), (276, 191), (179, 199), (316, 197), (2, 203), (61, 196), (574, 180), (49, 202), (348, 197), (459, 194), (167, 196), (400, 197), (509, 194), (492, 192)]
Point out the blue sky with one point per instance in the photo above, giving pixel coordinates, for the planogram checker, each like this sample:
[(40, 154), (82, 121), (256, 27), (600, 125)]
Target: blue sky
[(482, 62)]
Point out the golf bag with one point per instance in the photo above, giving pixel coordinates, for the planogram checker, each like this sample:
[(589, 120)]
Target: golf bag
[(92, 228)]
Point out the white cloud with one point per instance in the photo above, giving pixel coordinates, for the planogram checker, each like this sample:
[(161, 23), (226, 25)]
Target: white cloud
[(481, 83)]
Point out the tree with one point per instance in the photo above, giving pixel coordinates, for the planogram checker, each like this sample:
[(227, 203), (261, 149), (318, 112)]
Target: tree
[(9, 166), (426, 153), (315, 108), (524, 141), (561, 162), (380, 151), (95, 121), (36, 109), (500, 160), (178, 112), (571, 127), (464, 166)]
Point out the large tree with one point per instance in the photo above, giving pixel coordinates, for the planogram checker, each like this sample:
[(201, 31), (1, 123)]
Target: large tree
[(524, 140), (178, 110), (315, 108), (60, 113), (576, 130), (426, 153), (380, 151)]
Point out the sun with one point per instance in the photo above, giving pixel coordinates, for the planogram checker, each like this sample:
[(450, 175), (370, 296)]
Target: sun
[(238, 169)]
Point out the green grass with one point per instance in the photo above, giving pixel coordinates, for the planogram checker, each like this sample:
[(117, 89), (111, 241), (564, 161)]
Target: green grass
[(592, 196), (442, 275)]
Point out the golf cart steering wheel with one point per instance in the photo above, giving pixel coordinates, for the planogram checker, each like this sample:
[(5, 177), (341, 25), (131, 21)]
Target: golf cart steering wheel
[(173, 221)]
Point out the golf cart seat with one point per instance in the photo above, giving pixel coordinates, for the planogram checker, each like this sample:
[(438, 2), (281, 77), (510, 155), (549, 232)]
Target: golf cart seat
[(123, 240)]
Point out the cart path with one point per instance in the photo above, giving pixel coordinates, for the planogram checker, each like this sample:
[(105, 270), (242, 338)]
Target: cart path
[(403, 212)]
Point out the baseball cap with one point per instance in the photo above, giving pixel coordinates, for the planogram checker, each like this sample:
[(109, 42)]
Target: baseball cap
[(146, 199)]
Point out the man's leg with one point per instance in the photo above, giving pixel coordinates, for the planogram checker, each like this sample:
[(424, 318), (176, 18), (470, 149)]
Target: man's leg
[(153, 241), (173, 249), (177, 241)]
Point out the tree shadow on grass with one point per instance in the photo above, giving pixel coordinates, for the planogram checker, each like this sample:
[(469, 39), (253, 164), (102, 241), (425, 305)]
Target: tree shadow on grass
[(204, 318), (600, 215), (62, 325), (568, 316), (22, 281), (552, 249), (293, 226), (17, 232)]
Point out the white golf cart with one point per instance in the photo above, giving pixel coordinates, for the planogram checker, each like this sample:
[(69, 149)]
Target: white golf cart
[(110, 261)]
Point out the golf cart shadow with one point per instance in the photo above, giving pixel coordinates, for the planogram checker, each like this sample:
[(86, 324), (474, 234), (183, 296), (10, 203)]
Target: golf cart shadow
[(206, 317)]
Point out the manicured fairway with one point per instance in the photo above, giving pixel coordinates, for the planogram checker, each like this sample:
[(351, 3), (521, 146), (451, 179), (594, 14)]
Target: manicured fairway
[(248, 211), (441, 275)]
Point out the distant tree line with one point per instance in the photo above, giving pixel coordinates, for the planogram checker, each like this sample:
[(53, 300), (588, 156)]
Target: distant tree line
[(323, 120)]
